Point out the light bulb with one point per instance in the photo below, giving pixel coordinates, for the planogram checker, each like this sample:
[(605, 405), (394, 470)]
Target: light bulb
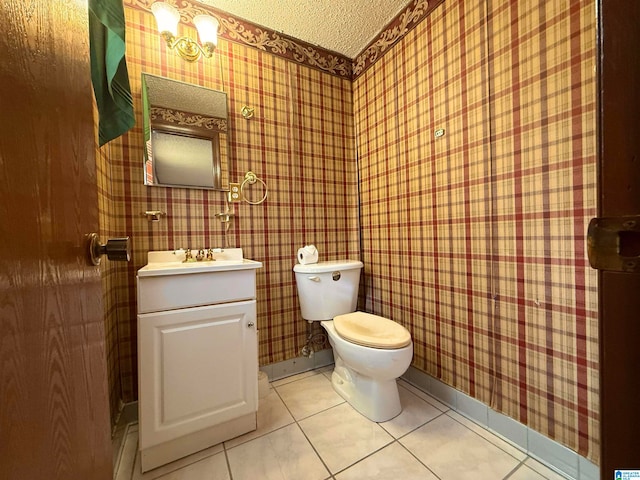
[(207, 29), (167, 17)]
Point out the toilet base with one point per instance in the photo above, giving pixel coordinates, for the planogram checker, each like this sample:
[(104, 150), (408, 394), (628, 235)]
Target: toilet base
[(377, 400)]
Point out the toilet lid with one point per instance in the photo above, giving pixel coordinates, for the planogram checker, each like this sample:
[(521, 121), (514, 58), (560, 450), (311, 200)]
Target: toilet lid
[(371, 330)]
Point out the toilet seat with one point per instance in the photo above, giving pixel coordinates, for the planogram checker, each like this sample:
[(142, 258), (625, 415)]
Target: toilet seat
[(371, 330)]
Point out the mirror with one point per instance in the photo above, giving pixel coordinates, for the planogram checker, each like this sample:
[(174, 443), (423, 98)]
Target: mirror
[(186, 135)]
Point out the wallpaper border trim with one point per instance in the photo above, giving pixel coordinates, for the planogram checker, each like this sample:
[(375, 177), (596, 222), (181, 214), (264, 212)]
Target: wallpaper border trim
[(395, 31), (247, 33)]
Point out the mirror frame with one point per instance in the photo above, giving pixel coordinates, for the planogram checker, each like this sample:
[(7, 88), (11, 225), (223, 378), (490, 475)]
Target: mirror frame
[(171, 114)]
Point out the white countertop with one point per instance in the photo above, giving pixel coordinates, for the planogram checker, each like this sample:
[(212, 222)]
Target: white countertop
[(171, 262)]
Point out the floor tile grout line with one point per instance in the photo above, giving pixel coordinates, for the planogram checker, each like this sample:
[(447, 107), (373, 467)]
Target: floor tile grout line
[(274, 430), (190, 464), (417, 396), (176, 469), (416, 428), (310, 373), (320, 411), (296, 380), (438, 407), (441, 414), (314, 450), (120, 453), (284, 426), (259, 436), (394, 439), (304, 433), (552, 468), (226, 457), (449, 412), (133, 464), (311, 415), (516, 468), (419, 388), (419, 461), (491, 433), (366, 456), (332, 474), (487, 429), (297, 422), (421, 399)]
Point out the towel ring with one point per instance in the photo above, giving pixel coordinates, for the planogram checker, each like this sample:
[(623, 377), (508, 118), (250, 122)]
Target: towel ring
[(251, 178)]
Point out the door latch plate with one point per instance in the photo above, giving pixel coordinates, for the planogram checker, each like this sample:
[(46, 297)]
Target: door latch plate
[(613, 243)]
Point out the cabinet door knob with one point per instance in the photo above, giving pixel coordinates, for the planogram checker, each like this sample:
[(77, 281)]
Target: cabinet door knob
[(250, 324)]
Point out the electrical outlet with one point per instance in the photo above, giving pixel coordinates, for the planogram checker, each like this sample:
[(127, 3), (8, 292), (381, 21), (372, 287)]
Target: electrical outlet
[(234, 192)]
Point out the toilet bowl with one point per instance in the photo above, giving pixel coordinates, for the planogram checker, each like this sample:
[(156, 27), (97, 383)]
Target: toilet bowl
[(370, 352), (365, 376)]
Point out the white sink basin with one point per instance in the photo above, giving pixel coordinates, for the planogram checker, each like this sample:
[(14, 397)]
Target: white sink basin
[(166, 283), (171, 262)]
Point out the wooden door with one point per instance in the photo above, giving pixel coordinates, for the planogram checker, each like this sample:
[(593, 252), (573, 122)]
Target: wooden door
[(619, 177), (54, 418)]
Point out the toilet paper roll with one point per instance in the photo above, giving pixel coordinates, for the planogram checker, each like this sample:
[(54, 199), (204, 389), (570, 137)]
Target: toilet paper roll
[(308, 254)]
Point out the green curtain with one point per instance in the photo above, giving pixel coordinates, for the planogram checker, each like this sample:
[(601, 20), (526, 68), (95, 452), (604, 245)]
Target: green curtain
[(109, 69)]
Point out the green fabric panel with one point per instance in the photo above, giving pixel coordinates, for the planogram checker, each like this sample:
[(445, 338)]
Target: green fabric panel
[(109, 69)]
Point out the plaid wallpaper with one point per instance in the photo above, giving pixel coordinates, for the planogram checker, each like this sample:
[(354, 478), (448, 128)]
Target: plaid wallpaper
[(475, 240), (300, 142), (107, 271)]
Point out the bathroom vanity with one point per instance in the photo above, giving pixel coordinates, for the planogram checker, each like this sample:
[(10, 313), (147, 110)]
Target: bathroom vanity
[(197, 353)]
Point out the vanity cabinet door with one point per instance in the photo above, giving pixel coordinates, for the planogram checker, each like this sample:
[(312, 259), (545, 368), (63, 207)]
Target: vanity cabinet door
[(197, 369)]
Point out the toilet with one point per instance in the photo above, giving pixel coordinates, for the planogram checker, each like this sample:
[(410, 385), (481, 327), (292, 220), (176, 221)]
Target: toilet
[(370, 351)]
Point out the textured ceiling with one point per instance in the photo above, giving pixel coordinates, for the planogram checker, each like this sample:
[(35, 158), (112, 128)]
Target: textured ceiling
[(344, 26)]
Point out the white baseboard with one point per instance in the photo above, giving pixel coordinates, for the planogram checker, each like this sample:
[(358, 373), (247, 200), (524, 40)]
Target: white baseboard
[(128, 414), (551, 453)]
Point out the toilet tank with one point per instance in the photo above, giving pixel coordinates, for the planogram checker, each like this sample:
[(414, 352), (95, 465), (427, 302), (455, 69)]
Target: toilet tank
[(327, 289)]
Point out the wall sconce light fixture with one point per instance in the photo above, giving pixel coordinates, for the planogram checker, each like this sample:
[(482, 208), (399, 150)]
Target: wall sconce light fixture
[(167, 18)]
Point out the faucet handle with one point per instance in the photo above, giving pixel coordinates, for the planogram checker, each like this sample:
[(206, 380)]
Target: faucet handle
[(187, 256)]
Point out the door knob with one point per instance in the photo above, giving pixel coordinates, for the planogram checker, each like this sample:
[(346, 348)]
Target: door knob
[(116, 249)]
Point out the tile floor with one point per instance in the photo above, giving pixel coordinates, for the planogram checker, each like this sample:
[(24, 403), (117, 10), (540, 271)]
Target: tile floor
[(307, 432)]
